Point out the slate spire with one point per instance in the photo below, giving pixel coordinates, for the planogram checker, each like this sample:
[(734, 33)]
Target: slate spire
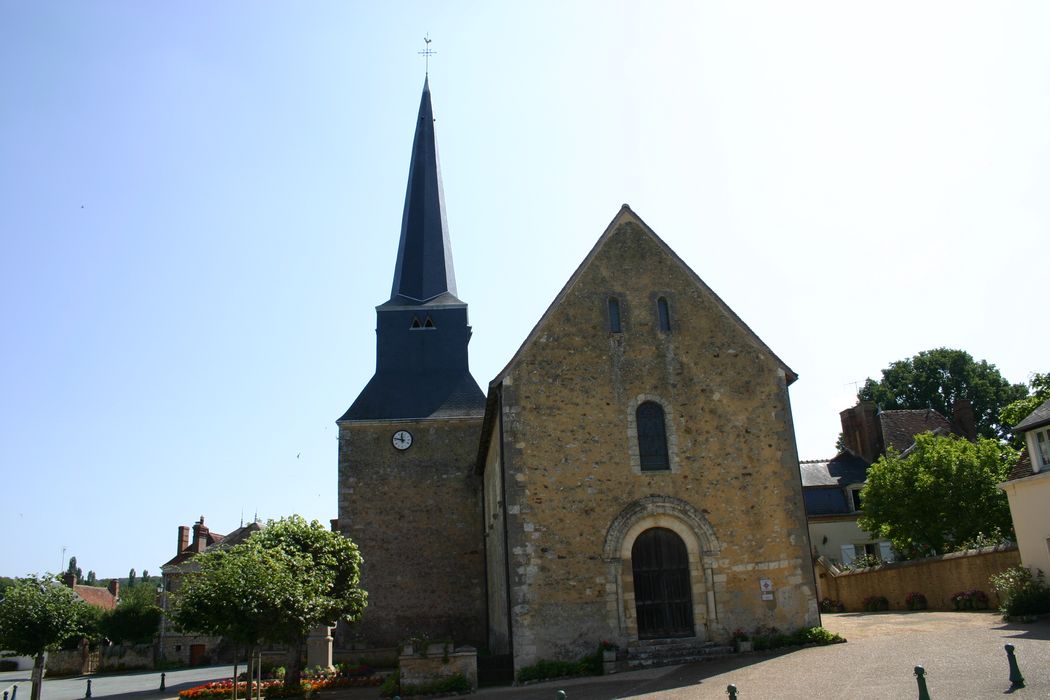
[(424, 256), (422, 332)]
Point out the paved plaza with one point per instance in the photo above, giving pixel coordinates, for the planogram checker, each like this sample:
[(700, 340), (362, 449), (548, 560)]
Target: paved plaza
[(963, 654)]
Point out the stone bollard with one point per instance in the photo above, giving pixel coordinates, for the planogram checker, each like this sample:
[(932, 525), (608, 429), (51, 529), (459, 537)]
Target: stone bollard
[(920, 677), (87, 694), (162, 677), (731, 691), (1016, 679)]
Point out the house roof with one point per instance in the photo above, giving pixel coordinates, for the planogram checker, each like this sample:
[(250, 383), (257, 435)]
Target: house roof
[(1022, 468), (1036, 419), (843, 469), (94, 595), (216, 540), (899, 428)]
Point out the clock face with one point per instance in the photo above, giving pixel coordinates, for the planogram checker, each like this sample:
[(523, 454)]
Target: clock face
[(402, 439)]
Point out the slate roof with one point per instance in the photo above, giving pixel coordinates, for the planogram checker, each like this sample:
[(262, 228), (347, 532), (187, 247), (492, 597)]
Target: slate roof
[(214, 540), (1036, 419), (843, 469), (899, 428), (424, 255)]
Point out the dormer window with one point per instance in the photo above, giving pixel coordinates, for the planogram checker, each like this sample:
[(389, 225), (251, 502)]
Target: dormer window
[(1042, 449), (416, 323), (614, 315), (854, 498), (429, 323), (663, 314)]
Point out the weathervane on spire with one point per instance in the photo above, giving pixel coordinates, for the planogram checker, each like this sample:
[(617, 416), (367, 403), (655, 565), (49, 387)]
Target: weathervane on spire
[(427, 52)]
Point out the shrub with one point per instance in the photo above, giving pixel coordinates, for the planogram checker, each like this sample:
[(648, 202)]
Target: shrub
[(1021, 593), (875, 603), (916, 601), (864, 561), (970, 600), (829, 606), (766, 638), (456, 683)]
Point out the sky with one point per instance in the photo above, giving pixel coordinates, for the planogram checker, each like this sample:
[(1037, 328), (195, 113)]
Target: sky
[(200, 206)]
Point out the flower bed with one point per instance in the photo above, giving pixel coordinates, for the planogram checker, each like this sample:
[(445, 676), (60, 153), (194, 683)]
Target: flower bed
[(224, 689)]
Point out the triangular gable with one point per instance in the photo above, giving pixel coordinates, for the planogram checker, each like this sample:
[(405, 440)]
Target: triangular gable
[(625, 215)]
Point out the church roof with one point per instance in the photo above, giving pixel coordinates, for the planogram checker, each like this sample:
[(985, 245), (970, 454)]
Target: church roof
[(899, 427), (424, 255)]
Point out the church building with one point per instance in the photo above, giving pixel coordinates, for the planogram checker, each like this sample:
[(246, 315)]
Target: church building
[(631, 475)]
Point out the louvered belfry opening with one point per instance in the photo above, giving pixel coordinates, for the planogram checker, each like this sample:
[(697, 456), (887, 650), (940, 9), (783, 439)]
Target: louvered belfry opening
[(662, 597)]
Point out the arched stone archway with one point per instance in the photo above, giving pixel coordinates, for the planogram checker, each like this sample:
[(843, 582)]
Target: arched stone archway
[(701, 546)]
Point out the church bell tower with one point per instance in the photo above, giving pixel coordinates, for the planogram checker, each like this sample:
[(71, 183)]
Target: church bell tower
[(407, 495)]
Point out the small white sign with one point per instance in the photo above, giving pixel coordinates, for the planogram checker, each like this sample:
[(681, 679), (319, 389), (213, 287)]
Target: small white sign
[(767, 596), (766, 585)]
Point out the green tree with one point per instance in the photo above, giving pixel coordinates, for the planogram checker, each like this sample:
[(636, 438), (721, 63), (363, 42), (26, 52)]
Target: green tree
[(936, 378), (91, 578), (275, 587), (1014, 413), (74, 569), (940, 495), (36, 616), (135, 619), (131, 579)]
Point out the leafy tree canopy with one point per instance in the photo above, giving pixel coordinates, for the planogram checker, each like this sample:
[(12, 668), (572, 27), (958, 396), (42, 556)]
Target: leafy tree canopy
[(37, 615), (936, 378), (275, 587), (940, 495), (135, 619), (1014, 413)]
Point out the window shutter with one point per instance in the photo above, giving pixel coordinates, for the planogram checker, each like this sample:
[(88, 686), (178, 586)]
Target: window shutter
[(885, 551)]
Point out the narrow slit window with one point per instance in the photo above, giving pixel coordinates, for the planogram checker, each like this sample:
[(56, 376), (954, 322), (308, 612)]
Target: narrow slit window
[(652, 437), (664, 314), (429, 323), (415, 322), (614, 315)]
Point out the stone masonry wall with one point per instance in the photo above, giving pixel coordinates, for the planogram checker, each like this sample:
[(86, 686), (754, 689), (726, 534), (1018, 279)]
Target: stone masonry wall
[(416, 517), (937, 578), (733, 491)]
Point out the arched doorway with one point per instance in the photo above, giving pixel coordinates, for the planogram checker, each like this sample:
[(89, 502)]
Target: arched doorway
[(662, 590)]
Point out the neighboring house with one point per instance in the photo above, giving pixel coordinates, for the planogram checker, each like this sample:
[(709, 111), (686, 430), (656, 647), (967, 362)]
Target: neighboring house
[(831, 491), (831, 488), (179, 645), (631, 475), (105, 598), (1028, 490)]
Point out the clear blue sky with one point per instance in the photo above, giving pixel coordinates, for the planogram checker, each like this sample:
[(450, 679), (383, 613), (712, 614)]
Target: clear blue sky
[(200, 204)]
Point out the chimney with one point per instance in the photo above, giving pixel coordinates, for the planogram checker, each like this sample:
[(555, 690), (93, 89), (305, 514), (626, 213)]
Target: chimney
[(114, 587), (860, 431), (184, 539), (69, 578), (963, 421), (200, 535)]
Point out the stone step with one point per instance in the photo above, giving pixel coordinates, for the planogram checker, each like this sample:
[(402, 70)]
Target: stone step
[(669, 652)]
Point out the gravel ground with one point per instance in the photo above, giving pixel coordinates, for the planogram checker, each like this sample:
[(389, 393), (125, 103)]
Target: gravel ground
[(962, 653)]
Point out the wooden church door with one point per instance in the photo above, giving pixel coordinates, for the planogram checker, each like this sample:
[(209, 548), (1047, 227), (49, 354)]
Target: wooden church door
[(662, 596)]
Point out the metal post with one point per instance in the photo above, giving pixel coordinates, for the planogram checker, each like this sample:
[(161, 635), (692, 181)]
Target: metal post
[(87, 694), (5, 695), (1016, 679), (162, 675), (920, 677), (731, 691), (560, 695), (14, 692)]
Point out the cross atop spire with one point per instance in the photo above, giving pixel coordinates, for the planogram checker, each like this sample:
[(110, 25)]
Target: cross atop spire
[(427, 52), (424, 255)]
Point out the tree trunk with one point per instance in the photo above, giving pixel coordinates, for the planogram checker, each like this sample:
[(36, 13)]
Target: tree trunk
[(37, 677), (293, 677)]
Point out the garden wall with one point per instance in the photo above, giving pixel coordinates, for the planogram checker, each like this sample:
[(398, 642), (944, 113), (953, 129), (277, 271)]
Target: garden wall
[(938, 578)]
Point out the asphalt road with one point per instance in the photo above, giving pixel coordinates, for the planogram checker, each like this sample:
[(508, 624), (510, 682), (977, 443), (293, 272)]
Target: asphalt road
[(962, 653)]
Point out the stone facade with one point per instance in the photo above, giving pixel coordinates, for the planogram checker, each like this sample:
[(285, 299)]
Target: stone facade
[(415, 515), (565, 494)]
